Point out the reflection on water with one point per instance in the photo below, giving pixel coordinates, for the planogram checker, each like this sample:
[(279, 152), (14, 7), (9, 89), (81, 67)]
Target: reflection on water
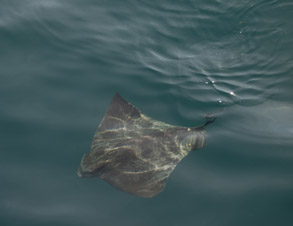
[(61, 63)]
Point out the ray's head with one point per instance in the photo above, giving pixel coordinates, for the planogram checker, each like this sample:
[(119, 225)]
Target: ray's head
[(192, 138)]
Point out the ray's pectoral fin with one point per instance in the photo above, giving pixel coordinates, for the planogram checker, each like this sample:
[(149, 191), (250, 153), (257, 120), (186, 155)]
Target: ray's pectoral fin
[(118, 113), (89, 167), (141, 183)]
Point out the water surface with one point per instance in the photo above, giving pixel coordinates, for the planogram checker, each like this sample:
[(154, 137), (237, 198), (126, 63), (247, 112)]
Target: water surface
[(61, 63)]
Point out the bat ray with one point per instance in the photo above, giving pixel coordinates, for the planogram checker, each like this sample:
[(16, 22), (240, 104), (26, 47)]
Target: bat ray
[(135, 153)]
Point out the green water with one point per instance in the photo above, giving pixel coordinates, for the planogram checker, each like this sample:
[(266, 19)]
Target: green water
[(62, 61)]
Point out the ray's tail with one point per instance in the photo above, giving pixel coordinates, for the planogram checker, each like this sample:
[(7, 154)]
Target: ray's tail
[(210, 119)]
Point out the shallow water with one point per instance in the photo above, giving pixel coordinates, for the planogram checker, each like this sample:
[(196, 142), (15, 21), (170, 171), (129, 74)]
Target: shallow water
[(61, 63)]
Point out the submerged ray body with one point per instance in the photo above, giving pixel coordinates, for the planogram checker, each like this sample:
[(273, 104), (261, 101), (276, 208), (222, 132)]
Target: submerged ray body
[(135, 153)]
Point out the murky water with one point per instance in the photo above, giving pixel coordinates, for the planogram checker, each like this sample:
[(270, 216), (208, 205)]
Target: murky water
[(62, 61)]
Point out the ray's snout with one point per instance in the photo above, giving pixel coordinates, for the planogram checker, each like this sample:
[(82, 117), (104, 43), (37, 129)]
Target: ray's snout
[(196, 139), (192, 138)]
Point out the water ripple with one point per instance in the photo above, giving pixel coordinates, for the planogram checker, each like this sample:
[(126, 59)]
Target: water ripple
[(244, 59)]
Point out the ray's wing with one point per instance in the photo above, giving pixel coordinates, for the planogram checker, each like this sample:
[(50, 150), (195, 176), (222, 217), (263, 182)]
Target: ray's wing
[(118, 113), (133, 174), (139, 165)]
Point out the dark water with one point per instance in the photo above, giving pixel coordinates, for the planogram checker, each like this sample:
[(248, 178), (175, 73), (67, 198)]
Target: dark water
[(62, 61)]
